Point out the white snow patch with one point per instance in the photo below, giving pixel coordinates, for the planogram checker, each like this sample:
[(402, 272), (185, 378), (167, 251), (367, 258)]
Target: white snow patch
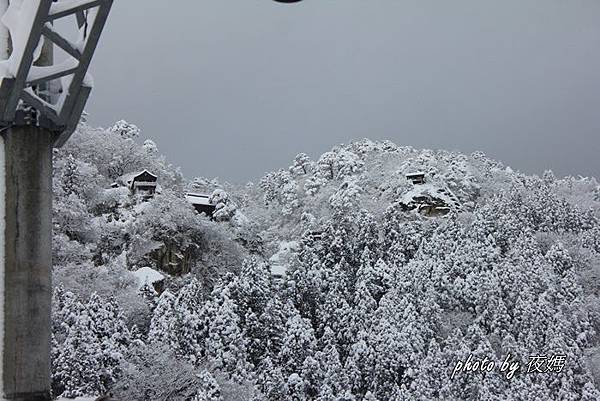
[(429, 190), (281, 259), (19, 18), (278, 270), (286, 248), (64, 5), (147, 275)]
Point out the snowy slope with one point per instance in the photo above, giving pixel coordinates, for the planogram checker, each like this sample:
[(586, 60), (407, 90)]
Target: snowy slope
[(363, 284)]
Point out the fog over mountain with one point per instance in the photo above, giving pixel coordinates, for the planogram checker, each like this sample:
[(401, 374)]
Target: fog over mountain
[(236, 88)]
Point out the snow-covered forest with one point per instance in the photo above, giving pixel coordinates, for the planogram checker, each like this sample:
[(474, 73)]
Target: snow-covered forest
[(374, 299)]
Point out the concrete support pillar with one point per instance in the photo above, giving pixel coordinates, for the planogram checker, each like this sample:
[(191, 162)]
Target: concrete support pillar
[(27, 278)]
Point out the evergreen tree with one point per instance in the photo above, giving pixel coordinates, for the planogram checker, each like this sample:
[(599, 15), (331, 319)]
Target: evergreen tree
[(331, 366), (272, 326), (209, 388), (125, 130), (225, 207), (360, 365), (226, 346), (164, 325), (77, 364), (88, 356), (312, 374), (191, 326), (271, 380), (298, 343), (294, 388), (432, 376), (302, 164)]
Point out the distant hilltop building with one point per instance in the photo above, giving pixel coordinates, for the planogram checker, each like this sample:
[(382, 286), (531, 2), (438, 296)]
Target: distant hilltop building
[(416, 178), (201, 202), (430, 200), (142, 183)]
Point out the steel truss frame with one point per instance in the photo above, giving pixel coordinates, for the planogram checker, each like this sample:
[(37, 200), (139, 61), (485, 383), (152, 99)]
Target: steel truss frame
[(61, 116)]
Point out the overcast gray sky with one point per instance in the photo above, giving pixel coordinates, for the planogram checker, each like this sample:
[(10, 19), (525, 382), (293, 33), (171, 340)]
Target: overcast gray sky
[(236, 88)]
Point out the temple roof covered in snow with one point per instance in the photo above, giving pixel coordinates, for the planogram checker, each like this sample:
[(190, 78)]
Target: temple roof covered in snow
[(147, 275), (198, 199)]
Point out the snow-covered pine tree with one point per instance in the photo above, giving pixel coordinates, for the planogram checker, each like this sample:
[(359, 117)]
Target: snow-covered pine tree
[(125, 130), (298, 343), (77, 365), (301, 165), (226, 347), (359, 365), (209, 388), (225, 207), (89, 353), (191, 326), (164, 325)]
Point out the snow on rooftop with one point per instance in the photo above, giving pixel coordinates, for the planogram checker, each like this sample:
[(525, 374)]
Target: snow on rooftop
[(431, 190), (198, 199), (147, 275), (148, 172), (128, 178)]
